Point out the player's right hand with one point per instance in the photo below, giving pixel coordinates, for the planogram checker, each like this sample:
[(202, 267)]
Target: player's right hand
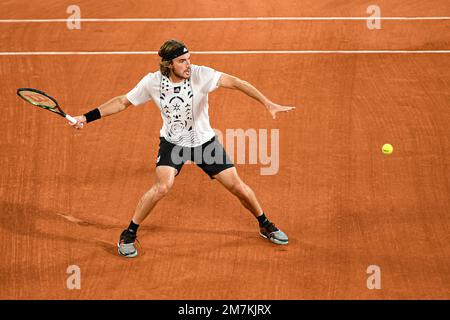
[(81, 122)]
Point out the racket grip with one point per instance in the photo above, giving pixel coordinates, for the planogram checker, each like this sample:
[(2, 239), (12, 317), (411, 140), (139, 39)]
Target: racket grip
[(71, 119)]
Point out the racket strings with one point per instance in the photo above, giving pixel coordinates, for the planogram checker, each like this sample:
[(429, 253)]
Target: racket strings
[(38, 99)]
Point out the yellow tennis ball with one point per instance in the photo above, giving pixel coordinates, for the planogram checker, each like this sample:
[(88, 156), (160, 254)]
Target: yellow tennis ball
[(387, 148)]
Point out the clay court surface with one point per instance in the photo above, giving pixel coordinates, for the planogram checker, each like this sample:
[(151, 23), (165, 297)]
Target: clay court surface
[(66, 195)]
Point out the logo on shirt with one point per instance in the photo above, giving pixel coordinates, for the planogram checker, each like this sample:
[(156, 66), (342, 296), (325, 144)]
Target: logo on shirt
[(176, 105)]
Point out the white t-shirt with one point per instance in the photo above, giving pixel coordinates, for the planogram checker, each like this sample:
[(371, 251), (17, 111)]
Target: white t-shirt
[(183, 105)]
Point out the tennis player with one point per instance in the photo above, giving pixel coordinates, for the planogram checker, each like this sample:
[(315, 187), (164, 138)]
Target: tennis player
[(180, 90)]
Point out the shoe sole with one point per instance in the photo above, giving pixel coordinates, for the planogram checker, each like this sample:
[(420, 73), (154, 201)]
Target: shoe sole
[(131, 255), (273, 240)]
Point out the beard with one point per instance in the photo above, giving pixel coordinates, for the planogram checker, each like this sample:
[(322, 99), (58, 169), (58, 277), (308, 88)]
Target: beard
[(183, 75)]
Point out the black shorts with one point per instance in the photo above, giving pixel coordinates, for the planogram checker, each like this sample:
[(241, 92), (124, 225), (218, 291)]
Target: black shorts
[(210, 156)]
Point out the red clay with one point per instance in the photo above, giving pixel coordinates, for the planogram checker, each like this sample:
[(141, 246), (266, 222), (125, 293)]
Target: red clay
[(66, 195)]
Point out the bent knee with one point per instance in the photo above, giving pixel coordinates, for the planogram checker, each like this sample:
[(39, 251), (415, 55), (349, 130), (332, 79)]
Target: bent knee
[(163, 188), (240, 189)]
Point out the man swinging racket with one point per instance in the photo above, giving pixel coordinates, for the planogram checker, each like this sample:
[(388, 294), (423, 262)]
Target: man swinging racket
[(180, 90)]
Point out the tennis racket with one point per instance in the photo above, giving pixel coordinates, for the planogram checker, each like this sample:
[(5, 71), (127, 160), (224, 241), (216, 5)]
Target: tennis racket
[(42, 100)]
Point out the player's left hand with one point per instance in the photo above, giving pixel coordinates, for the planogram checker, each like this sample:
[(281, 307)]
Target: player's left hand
[(274, 108)]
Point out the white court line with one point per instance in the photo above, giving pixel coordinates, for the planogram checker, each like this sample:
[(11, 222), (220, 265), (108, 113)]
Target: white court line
[(219, 19), (67, 53)]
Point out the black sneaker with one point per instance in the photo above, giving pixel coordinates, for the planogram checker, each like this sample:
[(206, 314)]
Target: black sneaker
[(125, 246)]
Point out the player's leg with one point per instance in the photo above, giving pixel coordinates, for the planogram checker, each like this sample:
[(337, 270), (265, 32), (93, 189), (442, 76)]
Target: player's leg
[(216, 163), (230, 179), (167, 167), (165, 177)]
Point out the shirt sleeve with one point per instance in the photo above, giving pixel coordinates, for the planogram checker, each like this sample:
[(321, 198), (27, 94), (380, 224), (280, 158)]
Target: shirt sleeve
[(209, 77), (140, 94)]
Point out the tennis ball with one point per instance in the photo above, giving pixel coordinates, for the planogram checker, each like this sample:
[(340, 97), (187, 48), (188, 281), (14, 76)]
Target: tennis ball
[(387, 148)]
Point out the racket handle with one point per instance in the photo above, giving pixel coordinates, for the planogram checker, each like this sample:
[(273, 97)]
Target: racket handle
[(71, 119)]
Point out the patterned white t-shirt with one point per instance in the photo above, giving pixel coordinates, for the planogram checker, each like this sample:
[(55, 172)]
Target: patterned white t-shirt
[(184, 105)]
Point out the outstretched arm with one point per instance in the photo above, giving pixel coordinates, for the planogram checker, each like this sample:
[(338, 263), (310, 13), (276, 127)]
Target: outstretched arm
[(113, 106), (231, 82)]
